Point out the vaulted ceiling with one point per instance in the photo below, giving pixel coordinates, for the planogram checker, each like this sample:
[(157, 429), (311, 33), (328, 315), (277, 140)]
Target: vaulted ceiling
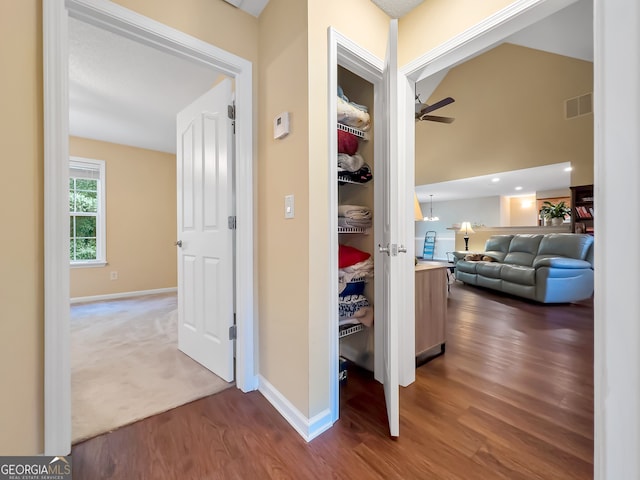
[(124, 92)]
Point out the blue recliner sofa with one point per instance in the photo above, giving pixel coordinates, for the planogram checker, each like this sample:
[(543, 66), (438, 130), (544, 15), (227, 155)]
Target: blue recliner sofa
[(550, 268)]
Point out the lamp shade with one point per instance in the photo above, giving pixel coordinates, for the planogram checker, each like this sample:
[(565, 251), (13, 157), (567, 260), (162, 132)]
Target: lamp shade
[(466, 228), (417, 211)]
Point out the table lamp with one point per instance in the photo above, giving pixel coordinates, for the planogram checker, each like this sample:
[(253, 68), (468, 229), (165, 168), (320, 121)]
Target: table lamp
[(417, 211), (467, 230)]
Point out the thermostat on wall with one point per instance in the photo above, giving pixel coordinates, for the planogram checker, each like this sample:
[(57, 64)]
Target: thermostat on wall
[(281, 125)]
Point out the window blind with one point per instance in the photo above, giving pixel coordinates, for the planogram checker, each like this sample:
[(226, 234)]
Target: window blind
[(86, 171)]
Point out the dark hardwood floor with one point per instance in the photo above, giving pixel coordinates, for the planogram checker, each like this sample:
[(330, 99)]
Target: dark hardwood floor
[(512, 398)]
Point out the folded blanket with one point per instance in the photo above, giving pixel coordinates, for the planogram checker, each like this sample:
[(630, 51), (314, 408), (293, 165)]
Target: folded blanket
[(348, 256), (346, 99), (364, 315), (353, 288), (362, 269), (351, 115), (348, 306), (348, 321), (350, 163), (356, 212), (347, 143), (354, 222), (361, 176)]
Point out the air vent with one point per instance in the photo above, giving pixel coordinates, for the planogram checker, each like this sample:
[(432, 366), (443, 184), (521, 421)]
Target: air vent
[(578, 106)]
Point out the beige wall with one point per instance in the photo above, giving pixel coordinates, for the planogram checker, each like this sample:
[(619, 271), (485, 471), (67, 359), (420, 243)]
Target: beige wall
[(22, 292), (509, 111), (522, 211), (302, 243), (215, 22), (21, 208), (293, 77), (141, 220), (433, 22), (368, 26), (283, 247)]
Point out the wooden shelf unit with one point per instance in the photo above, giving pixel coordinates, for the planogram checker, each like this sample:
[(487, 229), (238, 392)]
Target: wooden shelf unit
[(582, 213)]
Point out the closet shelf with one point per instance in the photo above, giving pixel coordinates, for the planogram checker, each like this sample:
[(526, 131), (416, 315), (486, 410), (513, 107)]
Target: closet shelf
[(353, 131), (342, 179), (353, 230), (347, 330)]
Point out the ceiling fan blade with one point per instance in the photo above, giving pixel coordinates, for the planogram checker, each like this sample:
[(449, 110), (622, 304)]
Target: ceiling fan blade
[(434, 118), (437, 105)]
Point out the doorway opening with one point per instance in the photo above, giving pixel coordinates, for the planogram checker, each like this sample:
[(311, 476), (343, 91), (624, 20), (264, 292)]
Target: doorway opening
[(57, 336)]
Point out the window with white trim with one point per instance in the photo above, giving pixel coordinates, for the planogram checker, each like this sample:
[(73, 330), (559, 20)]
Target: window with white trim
[(86, 212)]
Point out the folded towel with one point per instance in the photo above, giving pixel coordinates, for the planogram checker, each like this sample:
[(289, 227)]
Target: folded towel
[(348, 306), (364, 315), (362, 269), (348, 256), (355, 212), (350, 163), (353, 116), (354, 222), (353, 288), (347, 143), (346, 99), (360, 176)]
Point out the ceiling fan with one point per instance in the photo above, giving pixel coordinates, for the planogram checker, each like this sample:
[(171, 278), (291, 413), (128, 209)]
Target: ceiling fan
[(423, 110)]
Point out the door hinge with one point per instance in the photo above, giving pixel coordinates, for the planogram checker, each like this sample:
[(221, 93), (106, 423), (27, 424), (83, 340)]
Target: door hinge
[(233, 331), (232, 222), (231, 113)]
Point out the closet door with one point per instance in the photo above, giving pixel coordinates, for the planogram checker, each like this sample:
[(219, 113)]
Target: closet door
[(387, 306)]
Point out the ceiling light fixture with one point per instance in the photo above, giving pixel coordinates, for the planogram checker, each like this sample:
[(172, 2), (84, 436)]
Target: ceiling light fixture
[(431, 218), (495, 180), (518, 188)]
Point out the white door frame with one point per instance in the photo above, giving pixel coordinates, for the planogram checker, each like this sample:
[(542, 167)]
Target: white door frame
[(616, 175), (475, 40), (346, 53), (57, 373)]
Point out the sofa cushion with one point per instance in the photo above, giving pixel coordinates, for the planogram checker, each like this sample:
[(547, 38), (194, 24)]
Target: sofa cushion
[(523, 249), (489, 269), (494, 283), (559, 262), (497, 246), (572, 245), (519, 274), (466, 266), (470, 278), (524, 291)]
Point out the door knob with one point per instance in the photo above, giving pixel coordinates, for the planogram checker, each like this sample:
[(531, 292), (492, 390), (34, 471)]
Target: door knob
[(178, 243), (402, 249), (382, 249)]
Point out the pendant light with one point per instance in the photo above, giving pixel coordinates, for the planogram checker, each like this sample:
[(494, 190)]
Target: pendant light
[(431, 218)]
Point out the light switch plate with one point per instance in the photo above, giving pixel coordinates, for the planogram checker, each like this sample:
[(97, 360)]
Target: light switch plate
[(289, 207)]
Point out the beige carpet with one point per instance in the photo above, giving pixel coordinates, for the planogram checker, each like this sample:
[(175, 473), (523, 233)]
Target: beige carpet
[(125, 364)]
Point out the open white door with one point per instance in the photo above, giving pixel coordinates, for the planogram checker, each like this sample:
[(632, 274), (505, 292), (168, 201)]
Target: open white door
[(386, 311), (205, 238)]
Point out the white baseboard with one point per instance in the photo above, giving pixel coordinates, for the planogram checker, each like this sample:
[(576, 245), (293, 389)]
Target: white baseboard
[(308, 428), (111, 296)]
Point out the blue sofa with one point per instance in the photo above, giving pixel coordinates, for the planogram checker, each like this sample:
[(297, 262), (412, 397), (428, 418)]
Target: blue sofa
[(550, 268)]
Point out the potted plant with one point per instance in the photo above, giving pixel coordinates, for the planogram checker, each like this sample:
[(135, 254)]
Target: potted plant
[(555, 212)]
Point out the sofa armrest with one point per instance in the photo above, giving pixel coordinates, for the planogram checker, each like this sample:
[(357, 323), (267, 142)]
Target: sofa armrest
[(560, 262)]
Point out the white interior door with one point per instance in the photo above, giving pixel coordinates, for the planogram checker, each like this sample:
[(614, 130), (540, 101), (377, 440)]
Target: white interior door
[(205, 239), (388, 244)]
